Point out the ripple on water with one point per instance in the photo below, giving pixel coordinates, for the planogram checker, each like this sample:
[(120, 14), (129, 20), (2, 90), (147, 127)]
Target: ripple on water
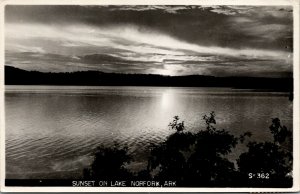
[(54, 132)]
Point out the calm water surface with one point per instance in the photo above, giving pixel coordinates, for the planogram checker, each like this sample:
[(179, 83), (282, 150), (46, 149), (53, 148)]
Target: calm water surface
[(51, 132)]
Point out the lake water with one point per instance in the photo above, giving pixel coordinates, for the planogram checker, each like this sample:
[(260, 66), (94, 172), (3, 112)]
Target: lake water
[(52, 131)]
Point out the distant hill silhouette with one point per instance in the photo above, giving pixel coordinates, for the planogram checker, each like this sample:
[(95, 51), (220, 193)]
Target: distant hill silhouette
[(15, 76)]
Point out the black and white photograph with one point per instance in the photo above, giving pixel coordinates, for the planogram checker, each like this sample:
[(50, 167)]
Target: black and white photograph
[(150, 96)]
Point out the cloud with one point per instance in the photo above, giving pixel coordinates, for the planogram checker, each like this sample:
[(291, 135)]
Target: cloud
[(171, 40), (269, 31), (228, 10), (129, 38), (165, 8), (231, 10), (179, 65), (201, 25), (22, 48), (256, 11)]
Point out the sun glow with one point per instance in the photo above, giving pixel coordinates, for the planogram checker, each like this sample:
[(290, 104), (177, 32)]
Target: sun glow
[(164, 72)]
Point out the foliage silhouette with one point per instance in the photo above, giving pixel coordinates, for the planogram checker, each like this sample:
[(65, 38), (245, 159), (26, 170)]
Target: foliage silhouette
[(272, 158), (195, 159), (201, 158), (175, 124), (243, 137), (280, 133), (109, 164)]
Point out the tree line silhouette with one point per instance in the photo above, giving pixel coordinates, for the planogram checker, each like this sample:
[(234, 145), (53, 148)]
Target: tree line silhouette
[(200, 159), (15, 76)]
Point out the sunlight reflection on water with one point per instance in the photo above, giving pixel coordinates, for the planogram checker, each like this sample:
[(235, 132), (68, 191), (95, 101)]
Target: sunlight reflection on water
[(53, 130)]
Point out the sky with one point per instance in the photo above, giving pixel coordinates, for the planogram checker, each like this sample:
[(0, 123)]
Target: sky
[(157, 39)]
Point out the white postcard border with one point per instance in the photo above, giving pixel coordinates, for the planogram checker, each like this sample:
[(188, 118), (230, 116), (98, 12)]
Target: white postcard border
[(296, 107)]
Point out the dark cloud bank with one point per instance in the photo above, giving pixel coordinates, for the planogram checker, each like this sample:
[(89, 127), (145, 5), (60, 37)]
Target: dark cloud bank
[(166, 40)]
